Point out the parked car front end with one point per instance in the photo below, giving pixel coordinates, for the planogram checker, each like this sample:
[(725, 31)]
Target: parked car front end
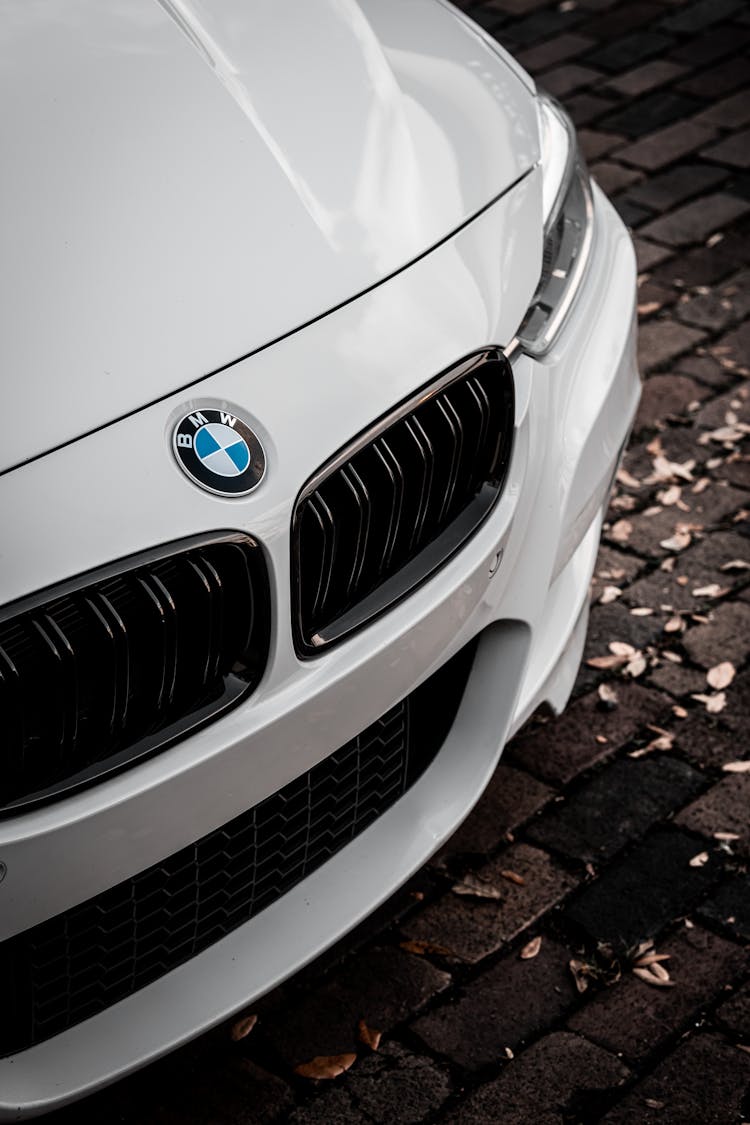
[(236, 721)]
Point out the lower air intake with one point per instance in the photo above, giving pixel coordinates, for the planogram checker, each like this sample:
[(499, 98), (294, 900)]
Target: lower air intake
[(80, 962)]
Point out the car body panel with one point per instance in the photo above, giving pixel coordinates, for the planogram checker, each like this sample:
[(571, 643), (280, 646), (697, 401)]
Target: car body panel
[(168, 208)]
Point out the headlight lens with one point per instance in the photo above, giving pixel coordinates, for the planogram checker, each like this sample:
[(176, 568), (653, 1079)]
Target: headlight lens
[(568, 228)]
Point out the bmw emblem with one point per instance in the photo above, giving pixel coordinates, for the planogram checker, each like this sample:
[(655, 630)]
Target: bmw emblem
[(219, 452)]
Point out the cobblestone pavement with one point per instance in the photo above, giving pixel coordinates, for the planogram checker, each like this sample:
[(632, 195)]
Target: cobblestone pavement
[(619, 823)]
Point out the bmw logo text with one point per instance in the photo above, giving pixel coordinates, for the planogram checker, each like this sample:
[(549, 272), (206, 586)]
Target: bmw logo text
[(219, 452)]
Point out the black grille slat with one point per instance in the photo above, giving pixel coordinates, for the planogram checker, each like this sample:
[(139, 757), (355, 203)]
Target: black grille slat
[(401, 500), (76, 964), (105, 669)]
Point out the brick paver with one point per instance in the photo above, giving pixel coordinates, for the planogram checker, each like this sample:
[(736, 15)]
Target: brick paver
[(616, 823)]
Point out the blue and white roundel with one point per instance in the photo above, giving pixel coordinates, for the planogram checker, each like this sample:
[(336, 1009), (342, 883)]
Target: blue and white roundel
[(219, 451)]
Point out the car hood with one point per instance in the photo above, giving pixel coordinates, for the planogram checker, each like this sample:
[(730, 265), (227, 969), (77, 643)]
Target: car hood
[(185, 182)]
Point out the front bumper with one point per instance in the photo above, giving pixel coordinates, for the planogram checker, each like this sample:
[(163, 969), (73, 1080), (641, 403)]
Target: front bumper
[(574, 411)]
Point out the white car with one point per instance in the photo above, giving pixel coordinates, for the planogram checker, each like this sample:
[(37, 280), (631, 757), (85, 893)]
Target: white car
[(318, 357)]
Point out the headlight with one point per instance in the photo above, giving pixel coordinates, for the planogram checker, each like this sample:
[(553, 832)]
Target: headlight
[(568, 228)]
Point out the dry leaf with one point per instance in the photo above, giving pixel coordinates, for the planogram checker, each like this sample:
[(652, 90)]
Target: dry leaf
[(513, 877), (621, 531), (699, 860), (651, 959), (675, 624), (651, 978), (602, 739), (325, 1066), (610, 594), (368, 1035), (607, 694), (727, 837), (666, 471), (621, 648), (665, 741), (531, 949), (672, 657), (713, 703), (626, 478), (654, 1103), (669, 496), (479, 888), (641, 611), (606, 662), (659, 971), (421, 946), (713, 590), (721, 675), (679, 711), (677, 542), (737, 767), (579, 970), (242, 1027), (735, 564), (637, 666)]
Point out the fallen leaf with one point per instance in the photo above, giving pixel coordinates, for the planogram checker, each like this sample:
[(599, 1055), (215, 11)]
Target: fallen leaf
[(659, 971), (672, 657), (651, 959), (531, 949), (666, 471), (637, 666), (675, 624), (654, 1103), (721, 675), (242, 1027), (606, 662), (677, 542), (602, 739), (669, 495), (736, 767), (727, 837), (651, 978), (621, 648), (626, 478), (621, 531), (421, 946), (713, 590), (679, 712), (579, 970), (735, 564), (607, 694), (610, 594), (325, 1066), (713, 703), (665, 741), (641, 611), (479, 888), (369, 1036), (699, 860), (513, 877)]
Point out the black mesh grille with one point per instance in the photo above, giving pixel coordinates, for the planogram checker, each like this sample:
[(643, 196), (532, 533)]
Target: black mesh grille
[(390, 509), (101, 672), (79, 962)]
